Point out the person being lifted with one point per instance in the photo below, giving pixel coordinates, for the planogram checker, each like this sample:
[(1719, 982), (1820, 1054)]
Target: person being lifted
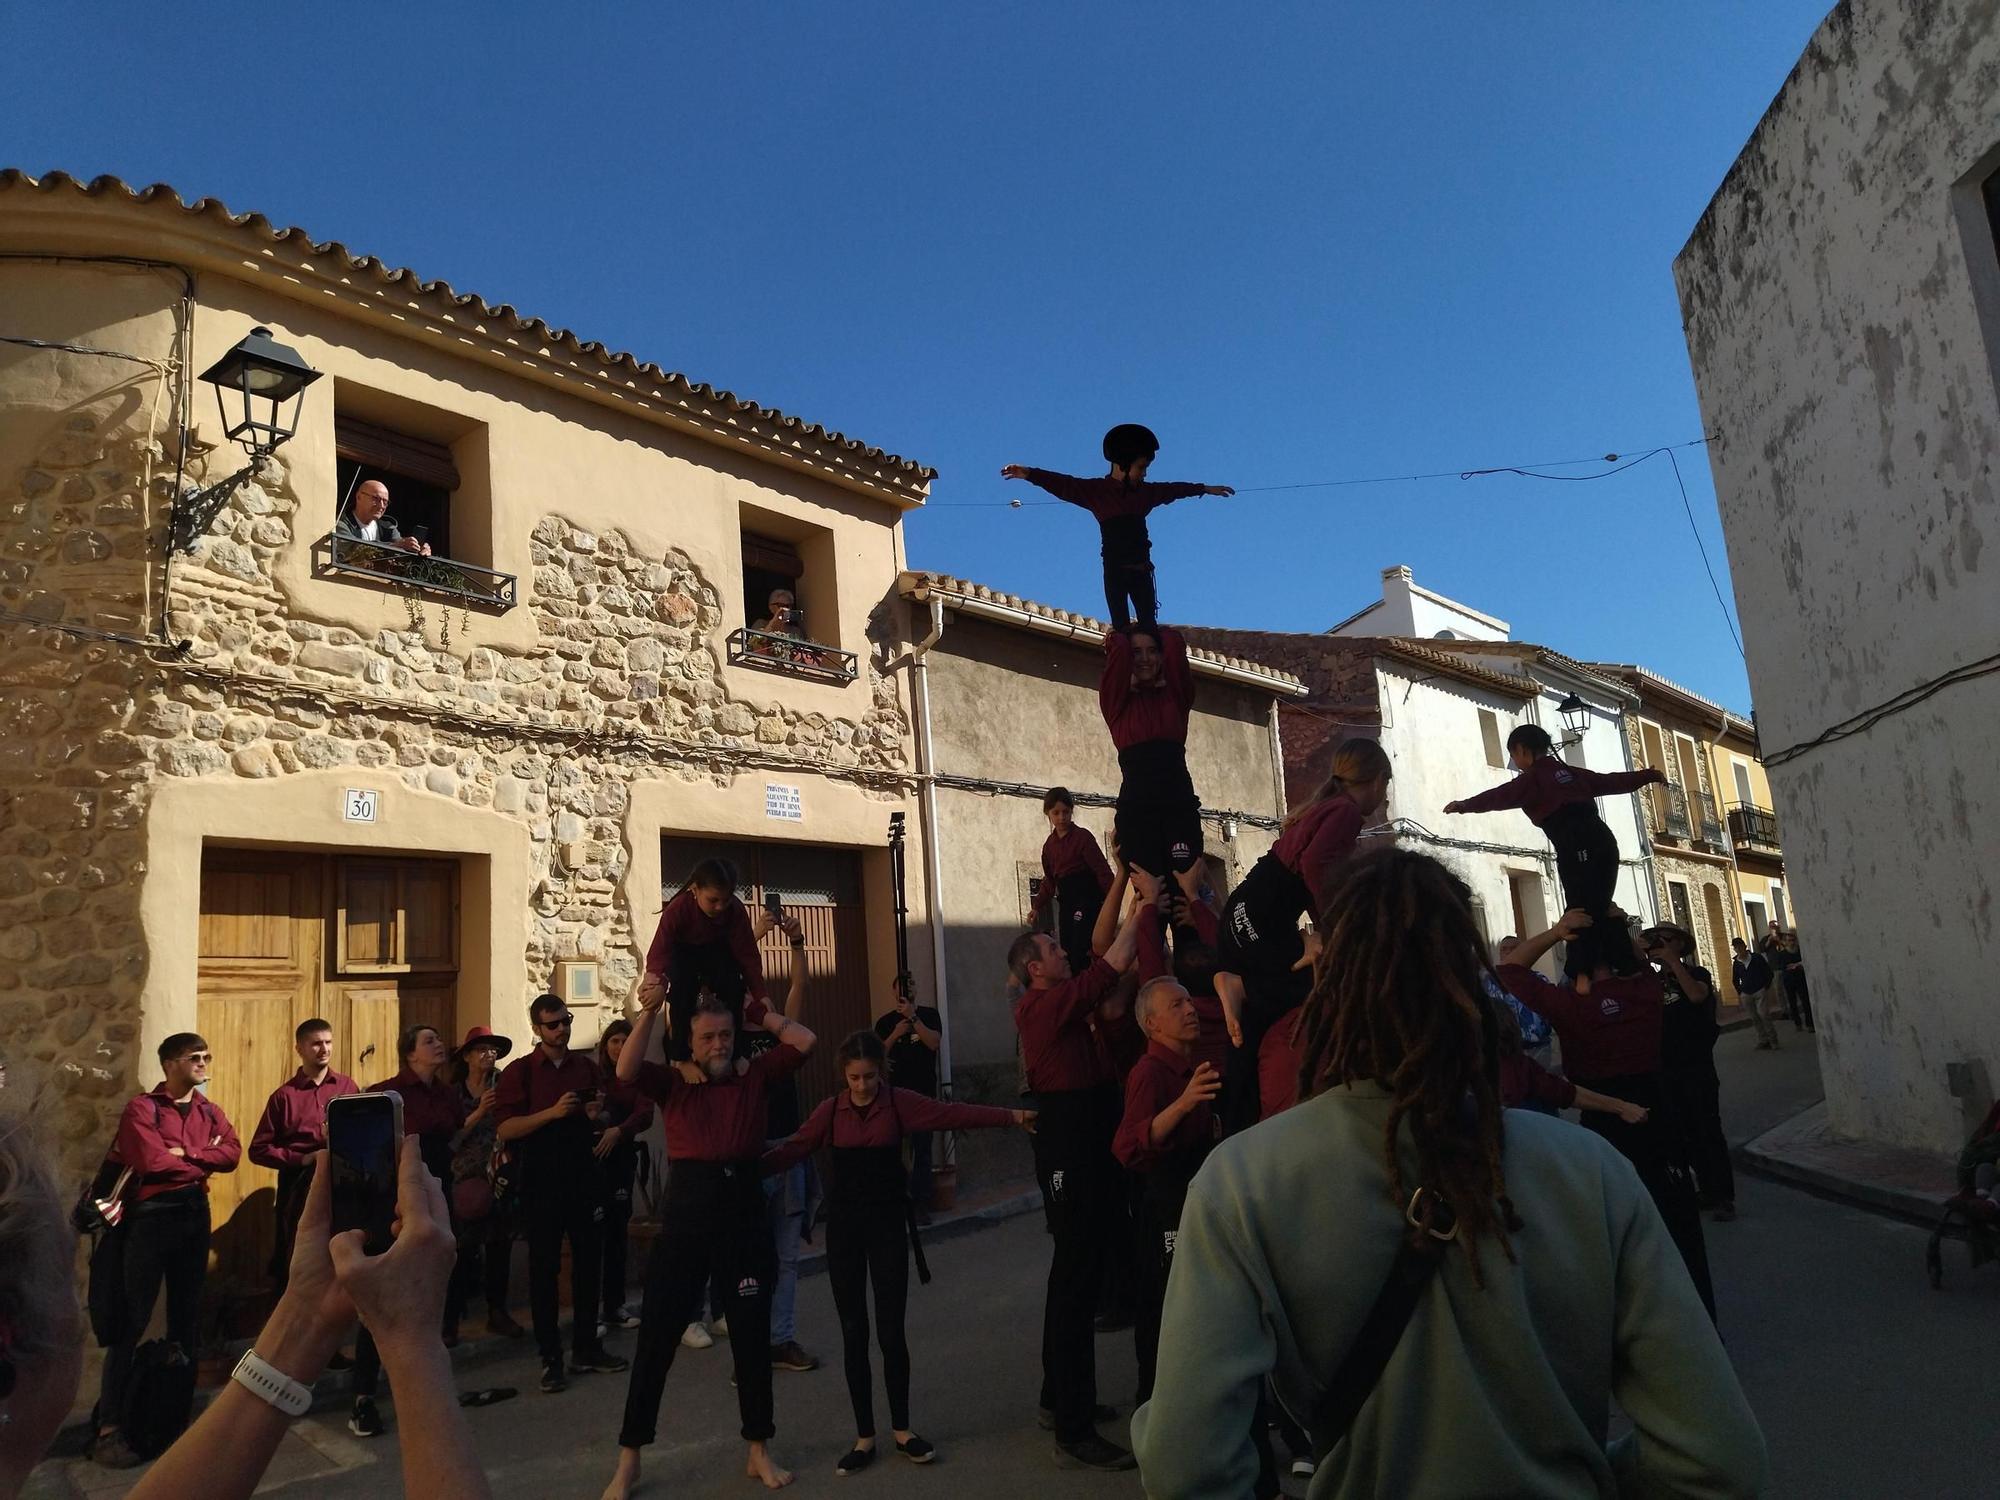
[(1121, 501), (1146, 695), (1075, 878)]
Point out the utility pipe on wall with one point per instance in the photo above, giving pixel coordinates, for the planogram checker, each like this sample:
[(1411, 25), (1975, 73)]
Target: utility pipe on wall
[(927, 813)]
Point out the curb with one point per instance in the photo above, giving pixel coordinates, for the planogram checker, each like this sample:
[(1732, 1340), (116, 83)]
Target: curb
[(1908, 1208)]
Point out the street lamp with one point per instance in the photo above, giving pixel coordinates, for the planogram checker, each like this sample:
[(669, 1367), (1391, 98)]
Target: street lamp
[(259, 376), (1575, 715)]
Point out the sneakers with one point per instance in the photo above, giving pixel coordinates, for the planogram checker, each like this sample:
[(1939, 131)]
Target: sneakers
[(366, 1420), (719, 1327), (1302, 1468), (111, 1451), (596, 1360), (1099, 1415), (853, 1461), (505, 1327), (623, 1316), (1094, 1452), (552, 1377), (694, 1336), (789, 1356), (916, 1450)]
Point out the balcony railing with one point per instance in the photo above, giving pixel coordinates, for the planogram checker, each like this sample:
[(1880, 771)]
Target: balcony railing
[(1754, 827), (1667, 810), (441, 577), (1711, 820), (790, 655)]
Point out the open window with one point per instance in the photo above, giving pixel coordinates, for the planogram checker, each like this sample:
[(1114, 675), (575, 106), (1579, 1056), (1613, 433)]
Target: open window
[(791, 604), (1489, 734)]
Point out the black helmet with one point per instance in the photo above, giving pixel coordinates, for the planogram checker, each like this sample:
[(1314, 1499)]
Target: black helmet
[(1128, 442)]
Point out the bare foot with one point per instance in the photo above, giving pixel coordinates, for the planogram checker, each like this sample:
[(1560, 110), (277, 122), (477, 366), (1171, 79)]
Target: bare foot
[(763, 1466), (627, 1477)]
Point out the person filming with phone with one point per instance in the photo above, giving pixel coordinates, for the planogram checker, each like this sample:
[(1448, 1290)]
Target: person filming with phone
[(371, 521), (551, 1108)]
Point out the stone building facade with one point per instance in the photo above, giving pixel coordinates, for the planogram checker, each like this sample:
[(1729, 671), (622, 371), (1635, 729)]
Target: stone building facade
[(241, 786), (1841, 296)]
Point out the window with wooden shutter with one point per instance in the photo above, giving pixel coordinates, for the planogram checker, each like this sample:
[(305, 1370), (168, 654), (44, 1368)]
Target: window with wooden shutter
[(396, 916)]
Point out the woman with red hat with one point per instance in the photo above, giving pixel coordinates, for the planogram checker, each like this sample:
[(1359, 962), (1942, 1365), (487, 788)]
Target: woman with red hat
[(486, 1230)]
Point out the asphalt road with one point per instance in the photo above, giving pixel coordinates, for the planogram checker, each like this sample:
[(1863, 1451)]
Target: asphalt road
[(1867, 1382)]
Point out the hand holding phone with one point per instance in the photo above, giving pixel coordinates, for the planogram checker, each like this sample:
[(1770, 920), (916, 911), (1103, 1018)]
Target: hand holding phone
[(364, 1139), (775, 905)]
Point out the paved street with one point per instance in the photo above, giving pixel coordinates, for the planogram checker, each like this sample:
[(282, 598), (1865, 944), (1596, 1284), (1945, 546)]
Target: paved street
[(1867, 1382)]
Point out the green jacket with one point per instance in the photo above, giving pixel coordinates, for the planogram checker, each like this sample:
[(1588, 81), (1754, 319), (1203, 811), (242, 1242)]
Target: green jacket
[(1285, 1242)]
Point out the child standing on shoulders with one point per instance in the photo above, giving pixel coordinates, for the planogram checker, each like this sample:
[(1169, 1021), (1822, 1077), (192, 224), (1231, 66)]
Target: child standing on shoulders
[(1121, 501), (705, 941)]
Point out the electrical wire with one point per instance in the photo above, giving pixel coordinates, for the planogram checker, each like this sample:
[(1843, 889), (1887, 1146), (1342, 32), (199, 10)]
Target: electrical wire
[(1868, 718), (1702, 547), (163, 366), (90, 633)]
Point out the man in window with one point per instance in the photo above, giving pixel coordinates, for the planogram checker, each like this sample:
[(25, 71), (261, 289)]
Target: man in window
[(782, 618), (371, 521)]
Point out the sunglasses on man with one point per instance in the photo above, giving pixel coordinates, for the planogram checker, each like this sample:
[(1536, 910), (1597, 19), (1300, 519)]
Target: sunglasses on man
[(556, 1023)]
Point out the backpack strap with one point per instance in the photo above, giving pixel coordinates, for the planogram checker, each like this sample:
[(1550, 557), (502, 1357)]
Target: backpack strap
[(909, 1203), (1432, 1230)]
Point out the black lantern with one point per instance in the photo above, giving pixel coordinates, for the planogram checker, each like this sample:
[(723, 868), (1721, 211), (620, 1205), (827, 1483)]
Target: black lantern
[(259, 376), (1575, 716)]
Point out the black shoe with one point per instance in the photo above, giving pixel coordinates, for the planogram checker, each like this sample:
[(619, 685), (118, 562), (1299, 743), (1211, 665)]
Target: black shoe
[(853, 1461), (916, 1450), (110, 1451), (1093, 1452), (552, 1377), (1112, 1322), (499, 1323), (596, 1360), (1099, 1414), (366, 1420), (340, 1362)]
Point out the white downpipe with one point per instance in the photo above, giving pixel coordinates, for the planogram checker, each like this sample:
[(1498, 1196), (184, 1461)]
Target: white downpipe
[(927, 811)]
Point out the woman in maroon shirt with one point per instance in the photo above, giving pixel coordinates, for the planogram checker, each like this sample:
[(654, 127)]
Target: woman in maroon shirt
[(705, 942), (871, 1225), (1146, 694)]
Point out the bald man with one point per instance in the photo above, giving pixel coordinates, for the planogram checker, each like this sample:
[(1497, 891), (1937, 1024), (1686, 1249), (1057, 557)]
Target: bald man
[(371, 521)]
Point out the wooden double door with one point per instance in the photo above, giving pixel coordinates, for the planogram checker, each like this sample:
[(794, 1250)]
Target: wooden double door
[(367, 944)]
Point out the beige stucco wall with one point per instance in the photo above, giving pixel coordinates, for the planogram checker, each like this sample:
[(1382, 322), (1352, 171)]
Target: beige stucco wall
[(1011, 706), (550, 747), (1842, 303)]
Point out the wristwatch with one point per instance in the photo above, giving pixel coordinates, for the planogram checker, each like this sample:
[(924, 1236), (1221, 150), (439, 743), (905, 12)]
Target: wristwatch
[(272, 1385)]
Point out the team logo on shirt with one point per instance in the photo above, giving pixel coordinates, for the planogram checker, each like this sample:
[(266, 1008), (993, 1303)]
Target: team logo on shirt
[(1564, 778), (1607, 1005), (749, 1286), (1181, 851), (1055, 1184), (1241, 925), (1167, 1240)]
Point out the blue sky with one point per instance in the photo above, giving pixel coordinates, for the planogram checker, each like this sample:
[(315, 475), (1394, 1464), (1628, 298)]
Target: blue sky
[(1301, 241)]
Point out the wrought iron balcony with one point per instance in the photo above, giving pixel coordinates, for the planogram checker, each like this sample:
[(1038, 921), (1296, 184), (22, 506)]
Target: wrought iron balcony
[(791, 655), (1667, 812), (1711, 820), (463, 583), (1753, 827)]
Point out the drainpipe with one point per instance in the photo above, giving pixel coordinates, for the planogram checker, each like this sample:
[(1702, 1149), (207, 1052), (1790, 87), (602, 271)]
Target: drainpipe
[(927, 812), (1278, 762)]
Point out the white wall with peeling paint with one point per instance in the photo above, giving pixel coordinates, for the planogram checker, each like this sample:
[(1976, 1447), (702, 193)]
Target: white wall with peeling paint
[(1842, 304)]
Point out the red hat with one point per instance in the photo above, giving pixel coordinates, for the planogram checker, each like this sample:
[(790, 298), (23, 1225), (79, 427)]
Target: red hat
[(502, 1045)]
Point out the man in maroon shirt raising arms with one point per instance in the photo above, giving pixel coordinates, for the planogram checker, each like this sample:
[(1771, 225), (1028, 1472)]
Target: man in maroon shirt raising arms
[(174, 1139), (714, 1225), (1063, 1020), (1075, 877), (294, 1128)]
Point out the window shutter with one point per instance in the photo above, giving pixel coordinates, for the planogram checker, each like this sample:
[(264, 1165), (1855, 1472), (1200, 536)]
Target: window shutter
[(763, 554), (379, 448)]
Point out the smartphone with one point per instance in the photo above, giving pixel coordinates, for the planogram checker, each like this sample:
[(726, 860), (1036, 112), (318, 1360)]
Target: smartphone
[(364, 1137), (588, 1097), (774, 904)]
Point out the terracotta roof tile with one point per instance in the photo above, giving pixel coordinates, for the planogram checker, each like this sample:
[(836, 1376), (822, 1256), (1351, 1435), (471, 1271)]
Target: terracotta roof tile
[(723, 406), (1345, 662)]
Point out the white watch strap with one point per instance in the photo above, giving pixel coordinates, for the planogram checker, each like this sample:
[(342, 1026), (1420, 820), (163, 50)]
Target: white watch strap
[(283, 1392)]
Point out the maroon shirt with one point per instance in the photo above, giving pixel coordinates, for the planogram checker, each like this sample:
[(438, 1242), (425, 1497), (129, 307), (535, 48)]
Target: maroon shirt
[(1074, 852), (1522, 1079), (1551, 784), (1314, 847), (1279, 1057), (1105, 497), (294, 1123), (152, 1123), (1609, 1033), (1157, 1080), (1213, 1045), (838, 1121), (719, 1121), (532, 1084), (1159, 712), (684, 921), (1058, 1041), (434, 1110)]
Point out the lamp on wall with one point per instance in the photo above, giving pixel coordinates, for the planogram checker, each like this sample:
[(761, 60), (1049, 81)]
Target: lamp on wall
[(1575, 715), (253, 383)]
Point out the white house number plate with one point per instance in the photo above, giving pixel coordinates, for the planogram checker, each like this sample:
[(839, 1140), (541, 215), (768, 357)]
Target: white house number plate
[(358, 806)]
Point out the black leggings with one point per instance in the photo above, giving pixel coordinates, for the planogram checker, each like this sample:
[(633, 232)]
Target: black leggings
[(865, 1245), (166, 1241), (1126, 575), (1650, 1148), (1259, 942), (1587, 867), (1078, 900), (619, 1170), (1078, 1178), (693, 968)]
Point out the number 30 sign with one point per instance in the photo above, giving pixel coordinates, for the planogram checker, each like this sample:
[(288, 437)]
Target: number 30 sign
[(359, 806)]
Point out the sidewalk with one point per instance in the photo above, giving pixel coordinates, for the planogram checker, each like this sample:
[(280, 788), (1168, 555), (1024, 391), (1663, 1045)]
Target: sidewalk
[(1894, 1180)]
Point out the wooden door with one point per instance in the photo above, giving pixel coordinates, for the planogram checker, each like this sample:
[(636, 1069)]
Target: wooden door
[(393, 952)]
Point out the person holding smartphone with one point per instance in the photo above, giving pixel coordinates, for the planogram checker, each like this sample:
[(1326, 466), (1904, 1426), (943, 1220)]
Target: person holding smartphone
[(551, 1108)]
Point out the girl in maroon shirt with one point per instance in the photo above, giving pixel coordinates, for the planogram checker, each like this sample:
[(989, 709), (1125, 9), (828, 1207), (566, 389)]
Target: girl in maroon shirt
[(871, 1225), (1561, 800), (705, 942), (1146, 695)]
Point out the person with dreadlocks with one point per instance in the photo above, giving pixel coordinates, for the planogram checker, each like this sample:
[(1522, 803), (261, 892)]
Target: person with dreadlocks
[(1611, 1026), (1121, 501), (1535, 1282), (1258, 974), (1561, 800)]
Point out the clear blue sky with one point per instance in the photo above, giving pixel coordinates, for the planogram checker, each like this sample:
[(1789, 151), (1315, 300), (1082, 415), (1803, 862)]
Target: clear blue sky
[(1300, 241)]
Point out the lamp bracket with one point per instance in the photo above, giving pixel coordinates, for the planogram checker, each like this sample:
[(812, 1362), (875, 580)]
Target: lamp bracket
[(196, 508)]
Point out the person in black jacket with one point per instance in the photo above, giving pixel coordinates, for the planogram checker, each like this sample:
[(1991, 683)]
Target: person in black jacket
[(1690, 1091), (1752, 974)]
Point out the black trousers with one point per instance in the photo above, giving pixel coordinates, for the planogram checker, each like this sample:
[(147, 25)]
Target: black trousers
[(693, 968), (485, 1266), (619, 1170), (1798, 1001), (294, 1184), (1157, 1228), (714, 1229), (1651, 1150), (166, 1241), (1080, 1184), (562, 1205), (871, 1246), (920, 1169), (1078, 900), (1587, 867), (1130, 575), (1693, 1096)]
